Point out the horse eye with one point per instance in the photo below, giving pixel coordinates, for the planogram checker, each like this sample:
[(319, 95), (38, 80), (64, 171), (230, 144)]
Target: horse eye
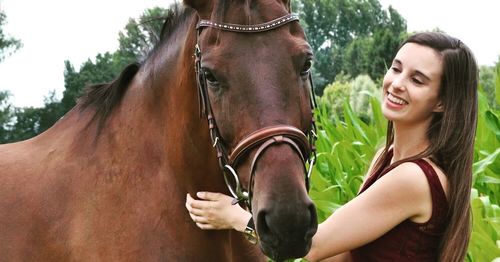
[(307, 67), (209, 76)]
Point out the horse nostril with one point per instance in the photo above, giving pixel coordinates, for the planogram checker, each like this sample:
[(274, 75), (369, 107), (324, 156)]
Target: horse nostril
[(263, 226), (262, 223), (313, 226)]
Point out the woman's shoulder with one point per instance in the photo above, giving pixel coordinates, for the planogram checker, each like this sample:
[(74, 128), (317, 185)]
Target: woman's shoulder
[(415, 171), (409, 180), (407, 175)]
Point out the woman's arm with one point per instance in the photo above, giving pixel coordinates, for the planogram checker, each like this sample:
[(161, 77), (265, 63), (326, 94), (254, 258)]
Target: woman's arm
[(403, 193)]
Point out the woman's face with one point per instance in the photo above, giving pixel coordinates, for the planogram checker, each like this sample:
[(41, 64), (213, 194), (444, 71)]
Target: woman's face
[(411, 85)]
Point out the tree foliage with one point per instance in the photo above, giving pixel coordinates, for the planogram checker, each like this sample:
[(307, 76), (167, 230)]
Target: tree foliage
[(6, 115), (7, 44), (350, 36)]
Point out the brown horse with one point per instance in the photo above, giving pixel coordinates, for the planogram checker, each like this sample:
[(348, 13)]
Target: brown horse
[(108, 181)]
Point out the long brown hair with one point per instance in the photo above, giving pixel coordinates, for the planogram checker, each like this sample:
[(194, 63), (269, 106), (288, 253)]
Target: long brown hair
[(451, 136)]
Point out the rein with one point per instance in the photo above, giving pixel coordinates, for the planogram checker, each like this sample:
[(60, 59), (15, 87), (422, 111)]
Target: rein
[(262, 138)]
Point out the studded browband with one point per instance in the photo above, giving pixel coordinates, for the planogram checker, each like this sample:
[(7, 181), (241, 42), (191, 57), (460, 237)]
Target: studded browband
[(249, 28)]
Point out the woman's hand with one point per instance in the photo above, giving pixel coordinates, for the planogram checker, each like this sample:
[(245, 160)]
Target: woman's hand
[(215, 211)]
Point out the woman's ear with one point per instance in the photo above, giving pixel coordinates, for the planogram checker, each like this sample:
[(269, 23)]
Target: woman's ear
[(202, 7), (439, 108)]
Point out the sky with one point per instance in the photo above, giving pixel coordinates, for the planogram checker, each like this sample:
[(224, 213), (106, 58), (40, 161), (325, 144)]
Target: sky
[(53, 31)]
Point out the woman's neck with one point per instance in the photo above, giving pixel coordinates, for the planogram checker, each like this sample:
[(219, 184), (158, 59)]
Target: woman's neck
[(409, 140)]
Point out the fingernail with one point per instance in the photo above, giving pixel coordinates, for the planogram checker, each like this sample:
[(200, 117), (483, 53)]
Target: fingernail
[(199, 194)]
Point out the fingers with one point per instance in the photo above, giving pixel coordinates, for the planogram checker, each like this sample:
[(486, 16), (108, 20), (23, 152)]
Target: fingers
[(199, 219), (193, 208), (209, 196), (197, 204), (197, 215), (195, 211)]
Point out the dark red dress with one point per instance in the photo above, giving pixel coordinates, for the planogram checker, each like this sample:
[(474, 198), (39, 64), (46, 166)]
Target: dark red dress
[(409, 241)]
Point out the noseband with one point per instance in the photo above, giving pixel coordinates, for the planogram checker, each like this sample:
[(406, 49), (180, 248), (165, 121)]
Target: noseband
[(261, 139)]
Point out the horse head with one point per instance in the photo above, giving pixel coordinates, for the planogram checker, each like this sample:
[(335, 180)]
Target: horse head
[(253, 68)]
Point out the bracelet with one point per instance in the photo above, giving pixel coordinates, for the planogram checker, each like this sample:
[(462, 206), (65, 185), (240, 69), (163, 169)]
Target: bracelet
[(250, 233)]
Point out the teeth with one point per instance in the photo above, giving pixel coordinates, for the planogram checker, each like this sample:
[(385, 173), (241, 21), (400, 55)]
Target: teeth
[(395, 99)]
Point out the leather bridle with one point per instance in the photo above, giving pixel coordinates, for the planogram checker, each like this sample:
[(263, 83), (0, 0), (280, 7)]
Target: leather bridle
[(261, 139)]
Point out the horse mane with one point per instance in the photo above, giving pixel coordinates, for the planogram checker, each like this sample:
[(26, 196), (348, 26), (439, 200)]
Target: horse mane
[(104, 98)]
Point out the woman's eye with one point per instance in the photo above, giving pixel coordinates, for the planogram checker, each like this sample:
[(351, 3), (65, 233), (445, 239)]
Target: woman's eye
[(395, 69), (209, 76), (307, 67), (417, 81)]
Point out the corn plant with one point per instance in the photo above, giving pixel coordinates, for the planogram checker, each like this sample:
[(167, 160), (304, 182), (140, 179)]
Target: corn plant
[(345, 149)]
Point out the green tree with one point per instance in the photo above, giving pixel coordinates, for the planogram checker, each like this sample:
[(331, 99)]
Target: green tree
[(373, 54), (27, 124), (100, 71), (343, 31), (139, 36), (8, 44), (6, 116), (49, 113)]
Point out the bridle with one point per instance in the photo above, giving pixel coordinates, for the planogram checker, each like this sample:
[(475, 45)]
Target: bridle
[(262, 138)]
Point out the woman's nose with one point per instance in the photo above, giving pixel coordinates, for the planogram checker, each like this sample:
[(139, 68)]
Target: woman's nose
[(399, 83)]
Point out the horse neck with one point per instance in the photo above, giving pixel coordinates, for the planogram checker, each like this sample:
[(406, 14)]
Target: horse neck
[(159, 116)]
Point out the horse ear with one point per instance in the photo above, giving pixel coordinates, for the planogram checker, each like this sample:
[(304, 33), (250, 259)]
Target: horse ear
[(203, 7)]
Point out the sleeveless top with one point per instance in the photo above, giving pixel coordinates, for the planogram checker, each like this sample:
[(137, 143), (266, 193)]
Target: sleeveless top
[(409, 241)]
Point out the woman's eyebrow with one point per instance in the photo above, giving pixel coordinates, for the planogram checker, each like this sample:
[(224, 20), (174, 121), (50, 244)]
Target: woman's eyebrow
[(423, 75)]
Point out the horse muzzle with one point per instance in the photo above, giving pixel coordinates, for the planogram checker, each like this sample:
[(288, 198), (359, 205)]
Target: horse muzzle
[(285, 231), (284, 215)]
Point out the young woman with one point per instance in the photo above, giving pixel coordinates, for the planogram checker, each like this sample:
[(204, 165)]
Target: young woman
[(414, 204)]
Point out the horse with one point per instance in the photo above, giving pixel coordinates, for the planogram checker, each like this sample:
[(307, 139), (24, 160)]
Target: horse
[(222, 103)]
